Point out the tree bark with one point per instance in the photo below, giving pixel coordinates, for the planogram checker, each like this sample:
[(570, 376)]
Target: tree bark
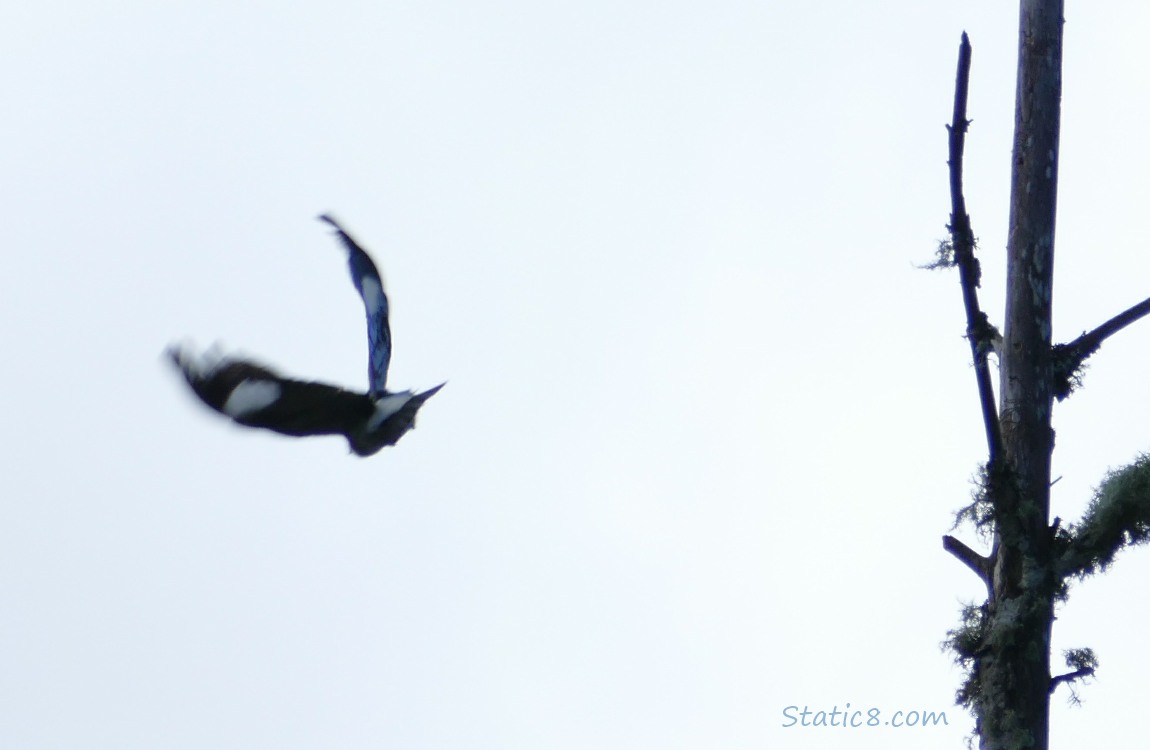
[(1013, 710)]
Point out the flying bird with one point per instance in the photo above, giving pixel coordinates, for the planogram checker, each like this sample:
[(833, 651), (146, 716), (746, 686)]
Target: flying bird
[(256, 396)]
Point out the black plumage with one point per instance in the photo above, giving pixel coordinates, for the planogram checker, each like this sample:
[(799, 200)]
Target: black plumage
[(256, 396)]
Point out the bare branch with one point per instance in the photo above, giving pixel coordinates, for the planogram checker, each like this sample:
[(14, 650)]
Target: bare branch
[(1070, 677), (1068, 358), (1084, 661), (979, 332), (980, 564)]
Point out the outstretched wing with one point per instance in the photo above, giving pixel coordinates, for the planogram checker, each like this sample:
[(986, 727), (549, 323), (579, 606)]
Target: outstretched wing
[(255, 396), (366, 278)]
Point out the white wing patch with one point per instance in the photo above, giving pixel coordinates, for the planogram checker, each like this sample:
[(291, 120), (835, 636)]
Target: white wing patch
[(372, 294), (388, 406), (251, 396)]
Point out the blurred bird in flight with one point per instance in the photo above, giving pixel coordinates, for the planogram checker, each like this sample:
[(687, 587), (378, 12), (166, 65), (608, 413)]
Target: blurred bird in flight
[(256, 396)]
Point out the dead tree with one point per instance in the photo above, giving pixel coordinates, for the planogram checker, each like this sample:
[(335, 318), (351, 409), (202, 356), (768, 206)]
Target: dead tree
[(1004, 643)]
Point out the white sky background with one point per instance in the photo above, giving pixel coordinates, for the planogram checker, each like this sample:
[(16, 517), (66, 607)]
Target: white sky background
[(704, 427)]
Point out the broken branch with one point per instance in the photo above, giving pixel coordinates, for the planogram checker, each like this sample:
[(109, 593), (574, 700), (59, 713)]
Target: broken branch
[(979, 332), (1068, 358)]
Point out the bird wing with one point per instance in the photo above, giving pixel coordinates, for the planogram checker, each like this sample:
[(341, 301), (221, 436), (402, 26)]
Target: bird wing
[(368, 283), (256, 396)]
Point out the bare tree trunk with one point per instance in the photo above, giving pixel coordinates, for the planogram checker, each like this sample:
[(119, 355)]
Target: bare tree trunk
[(1005, 643), (1015, 671)]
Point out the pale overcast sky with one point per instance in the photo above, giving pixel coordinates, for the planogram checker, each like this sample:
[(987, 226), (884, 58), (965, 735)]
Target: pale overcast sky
[(705, 423)]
